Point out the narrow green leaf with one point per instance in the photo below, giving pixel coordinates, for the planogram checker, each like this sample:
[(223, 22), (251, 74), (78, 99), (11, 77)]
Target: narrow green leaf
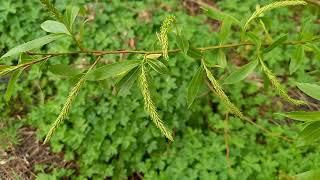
[(194, 53), (315, 48), (308, 175), (12, 84), (111, 70), (64, 70), (276, 43), (182, 43), (33, 44), (302, 115), (311, 90), (55, 27), (195, 85), (158, 66), (297, 59), (71, 15), (153, 56), (126, 82), (221, 58), (311, 133), (255, 39), (241, 73), (3, 67), (225, 29), (217, 15)]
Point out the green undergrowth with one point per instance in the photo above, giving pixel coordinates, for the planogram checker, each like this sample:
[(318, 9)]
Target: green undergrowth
[(112, 136)]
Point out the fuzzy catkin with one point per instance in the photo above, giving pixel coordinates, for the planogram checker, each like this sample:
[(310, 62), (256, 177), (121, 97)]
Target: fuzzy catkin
[(149, 104), (67, 105), (54, 11), (276, 84), (163, 35), (221, 95), (271, 6)]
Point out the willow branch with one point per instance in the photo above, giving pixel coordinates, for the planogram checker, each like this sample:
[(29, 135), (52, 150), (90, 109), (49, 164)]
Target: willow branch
[(172, 51)]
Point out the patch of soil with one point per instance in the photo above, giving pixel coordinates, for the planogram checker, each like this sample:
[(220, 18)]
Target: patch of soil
[(18, 162)]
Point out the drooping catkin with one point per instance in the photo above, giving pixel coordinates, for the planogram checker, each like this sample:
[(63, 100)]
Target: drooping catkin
[(276, 84), (163, 35), (67, 105), (271, 6), (54, 11), (150, 106), (221, 95)]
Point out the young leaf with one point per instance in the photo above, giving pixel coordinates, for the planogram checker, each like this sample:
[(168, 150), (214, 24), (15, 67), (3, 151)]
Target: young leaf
[(221, 58), (241, 73), (311, 90), (182, 43), (153, 56), (255, 39), (302, 115), (216, 14), (33, 44), (71, 15), (194, 85), (158, 66), (194, 53), (111, 70), (64, 70), (311, 133), (12, 84), (308, 175), (225, 29), (276, 43), (55, 27), (297, 59), (126, 82)]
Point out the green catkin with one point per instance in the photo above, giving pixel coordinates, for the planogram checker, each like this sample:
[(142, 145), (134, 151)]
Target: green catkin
[(221, 95), (54, 11), (150, 106), (67, 105), (276, 84), (163, 35), (271, 6)]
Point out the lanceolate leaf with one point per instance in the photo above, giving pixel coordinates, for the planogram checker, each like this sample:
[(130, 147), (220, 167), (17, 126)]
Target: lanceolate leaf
[(153, 56), (194, 53), (225, 29), (64, 70), (241, 73), (33, 44), (311, 90), (255, 39), (308, 175), (216, 14), (195, 85), (221, 58), (297, 59), (158, 66), (182, 43), (54, 27), (111, 70), (276, 43), (311, 133), (71, 15), (126, 82), (302, 115), (12, 84)]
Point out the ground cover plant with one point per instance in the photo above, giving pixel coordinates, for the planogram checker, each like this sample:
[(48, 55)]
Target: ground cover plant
[(211, 91)]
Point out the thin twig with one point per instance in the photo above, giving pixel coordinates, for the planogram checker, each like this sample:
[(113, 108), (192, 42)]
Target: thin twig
[(208, 48)]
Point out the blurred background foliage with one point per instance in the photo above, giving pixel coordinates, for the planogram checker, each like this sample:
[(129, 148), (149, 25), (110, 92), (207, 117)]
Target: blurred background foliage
[(110, 136)]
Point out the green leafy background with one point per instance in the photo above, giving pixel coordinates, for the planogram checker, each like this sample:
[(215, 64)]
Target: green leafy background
[(110, 136)]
